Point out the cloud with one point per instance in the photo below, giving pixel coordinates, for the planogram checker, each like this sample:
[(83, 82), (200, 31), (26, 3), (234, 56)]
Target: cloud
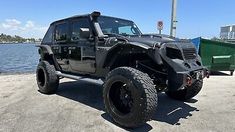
[(26, 29), (29, 24), (12, 24)]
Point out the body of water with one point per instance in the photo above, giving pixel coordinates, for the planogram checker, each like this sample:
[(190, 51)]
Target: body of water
[(18, 58)]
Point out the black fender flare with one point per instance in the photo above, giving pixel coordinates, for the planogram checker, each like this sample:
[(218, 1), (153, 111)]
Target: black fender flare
[(127, 48), (153, 52), (46, 49)]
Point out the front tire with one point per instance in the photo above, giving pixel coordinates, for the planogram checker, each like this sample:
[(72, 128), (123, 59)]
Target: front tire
[(47, 79), (130, 96), (187, 93)]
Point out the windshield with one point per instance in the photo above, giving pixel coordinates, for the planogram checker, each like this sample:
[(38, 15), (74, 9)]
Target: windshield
[(111, 25)]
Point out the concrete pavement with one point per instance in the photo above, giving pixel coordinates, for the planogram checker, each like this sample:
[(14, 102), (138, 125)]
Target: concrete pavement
[(78, 106)]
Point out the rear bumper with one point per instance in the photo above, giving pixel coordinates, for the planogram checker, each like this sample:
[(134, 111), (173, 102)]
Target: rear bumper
[(179, 80)]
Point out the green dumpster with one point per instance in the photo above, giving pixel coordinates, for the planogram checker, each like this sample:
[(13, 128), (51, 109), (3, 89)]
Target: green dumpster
[(216, 56)]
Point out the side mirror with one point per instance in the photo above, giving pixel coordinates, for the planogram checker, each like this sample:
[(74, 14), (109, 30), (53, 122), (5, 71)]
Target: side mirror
[(84, 33)]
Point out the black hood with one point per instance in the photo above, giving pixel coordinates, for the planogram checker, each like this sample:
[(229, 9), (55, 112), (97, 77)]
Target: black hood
[(150, 39)]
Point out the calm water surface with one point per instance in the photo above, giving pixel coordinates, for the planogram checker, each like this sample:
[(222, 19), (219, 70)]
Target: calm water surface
[(18, 58)]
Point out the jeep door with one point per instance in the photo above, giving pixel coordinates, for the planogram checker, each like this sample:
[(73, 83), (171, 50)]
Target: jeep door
[(81, 50), (60, 47)]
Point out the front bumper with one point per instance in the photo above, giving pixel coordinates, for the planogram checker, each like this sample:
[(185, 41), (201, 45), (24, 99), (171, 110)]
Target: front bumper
[(180, 80)]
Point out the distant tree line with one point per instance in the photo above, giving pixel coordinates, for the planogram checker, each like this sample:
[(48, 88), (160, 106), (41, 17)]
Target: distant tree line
[(16, 39)]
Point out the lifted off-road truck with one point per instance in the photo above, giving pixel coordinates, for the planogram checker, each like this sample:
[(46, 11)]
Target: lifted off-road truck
[(133, 66)]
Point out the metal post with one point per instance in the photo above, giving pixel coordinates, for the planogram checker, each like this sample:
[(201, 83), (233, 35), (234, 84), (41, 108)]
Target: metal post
[(173, 18)]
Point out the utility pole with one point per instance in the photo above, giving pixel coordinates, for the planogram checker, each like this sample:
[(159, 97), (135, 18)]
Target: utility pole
[(173, 19)]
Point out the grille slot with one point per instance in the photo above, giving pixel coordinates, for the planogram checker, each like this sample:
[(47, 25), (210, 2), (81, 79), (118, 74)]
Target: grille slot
[(173, 53), (189, 53)]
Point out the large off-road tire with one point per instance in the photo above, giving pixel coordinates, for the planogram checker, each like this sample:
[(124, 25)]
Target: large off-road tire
[(47, 79), (130, 96), (187, 93)]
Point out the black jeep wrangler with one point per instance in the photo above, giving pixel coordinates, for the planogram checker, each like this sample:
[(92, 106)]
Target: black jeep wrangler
[(133, 66)]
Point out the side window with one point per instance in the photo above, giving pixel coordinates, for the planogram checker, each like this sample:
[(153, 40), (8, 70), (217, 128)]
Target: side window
[(61, 32), (48, 37), (125, 30), (76, 25)]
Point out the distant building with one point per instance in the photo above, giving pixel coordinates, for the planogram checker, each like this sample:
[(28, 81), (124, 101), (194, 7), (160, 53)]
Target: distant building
[(228, 33)]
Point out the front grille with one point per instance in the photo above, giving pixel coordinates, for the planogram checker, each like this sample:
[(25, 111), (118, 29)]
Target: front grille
[(173, 53), (189, 53)]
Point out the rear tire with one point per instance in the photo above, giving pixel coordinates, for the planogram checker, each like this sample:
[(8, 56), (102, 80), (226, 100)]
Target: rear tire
[(47, 79), (130, 96), (187, 93)]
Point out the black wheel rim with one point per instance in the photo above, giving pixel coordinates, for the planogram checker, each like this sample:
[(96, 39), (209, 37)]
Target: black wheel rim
[(121, 97), (41, 77)]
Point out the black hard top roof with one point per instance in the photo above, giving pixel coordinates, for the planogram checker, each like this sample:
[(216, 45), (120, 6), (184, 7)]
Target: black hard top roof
[(85, 15), (65, 19)]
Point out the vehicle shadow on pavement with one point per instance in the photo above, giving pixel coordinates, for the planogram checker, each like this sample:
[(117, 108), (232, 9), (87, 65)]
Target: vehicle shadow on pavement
[(91, 95), (144, 128), (83, 92), (217, 73), (171, 111)]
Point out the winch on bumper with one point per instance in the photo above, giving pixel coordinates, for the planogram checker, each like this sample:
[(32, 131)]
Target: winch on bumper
[(180, 80)]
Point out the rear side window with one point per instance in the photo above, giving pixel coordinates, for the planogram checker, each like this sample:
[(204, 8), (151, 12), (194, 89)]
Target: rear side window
[(61, 32), (49, 36), (76, 25)]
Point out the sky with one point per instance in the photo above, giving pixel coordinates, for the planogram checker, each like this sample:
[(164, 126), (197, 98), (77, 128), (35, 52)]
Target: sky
[(30, 18)]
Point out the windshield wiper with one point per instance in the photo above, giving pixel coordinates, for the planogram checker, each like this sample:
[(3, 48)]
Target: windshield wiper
[(113, 34)]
